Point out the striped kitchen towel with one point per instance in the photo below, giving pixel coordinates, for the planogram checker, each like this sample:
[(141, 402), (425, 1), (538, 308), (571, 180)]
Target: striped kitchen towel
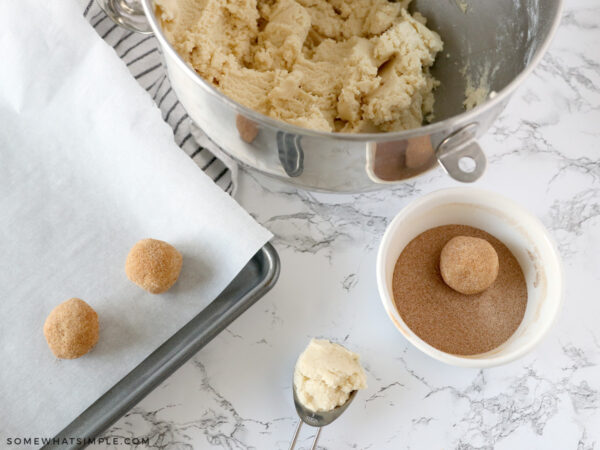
[(142, 56)]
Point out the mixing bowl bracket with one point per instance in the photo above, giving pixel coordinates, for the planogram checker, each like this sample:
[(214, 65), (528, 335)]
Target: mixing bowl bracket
[(461, 156)]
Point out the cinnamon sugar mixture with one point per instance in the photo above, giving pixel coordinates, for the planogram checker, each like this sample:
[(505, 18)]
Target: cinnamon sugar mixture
[(449, 321)]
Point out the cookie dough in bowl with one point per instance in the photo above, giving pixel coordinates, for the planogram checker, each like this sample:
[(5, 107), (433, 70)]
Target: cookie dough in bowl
[(329, 65)]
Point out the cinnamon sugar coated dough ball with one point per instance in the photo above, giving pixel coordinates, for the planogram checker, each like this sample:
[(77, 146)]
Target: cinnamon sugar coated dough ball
[(469, 265), (71, 329), (153, 265)]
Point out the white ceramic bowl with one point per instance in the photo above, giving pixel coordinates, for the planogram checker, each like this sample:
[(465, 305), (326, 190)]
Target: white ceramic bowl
[(518, 229)]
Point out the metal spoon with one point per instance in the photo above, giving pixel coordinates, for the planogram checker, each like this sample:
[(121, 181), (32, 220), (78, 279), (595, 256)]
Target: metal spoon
[(316, 419)]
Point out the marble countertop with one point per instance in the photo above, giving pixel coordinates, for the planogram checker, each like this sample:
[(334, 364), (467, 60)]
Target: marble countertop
[(544, 152)]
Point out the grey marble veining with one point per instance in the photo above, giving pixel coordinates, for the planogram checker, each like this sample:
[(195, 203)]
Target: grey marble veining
[(544, 152)]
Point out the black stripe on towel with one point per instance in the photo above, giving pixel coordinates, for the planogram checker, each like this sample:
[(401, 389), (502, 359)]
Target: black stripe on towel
[(147, 71), (197, 151), (209, 163), (134, 46), (139, 58)]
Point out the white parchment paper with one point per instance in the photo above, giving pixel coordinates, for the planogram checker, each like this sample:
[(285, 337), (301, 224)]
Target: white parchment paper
[(87, 168)]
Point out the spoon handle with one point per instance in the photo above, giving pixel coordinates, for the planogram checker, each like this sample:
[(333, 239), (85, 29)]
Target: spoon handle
[(295, 438), (314, 446)]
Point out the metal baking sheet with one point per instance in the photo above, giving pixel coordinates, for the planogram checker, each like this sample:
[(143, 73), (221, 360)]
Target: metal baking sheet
[(254, 281)]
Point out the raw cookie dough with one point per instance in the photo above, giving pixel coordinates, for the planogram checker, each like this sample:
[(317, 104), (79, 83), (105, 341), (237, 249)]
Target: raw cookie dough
[(326, 374), (331, 65), (153, 265), (71, 329)]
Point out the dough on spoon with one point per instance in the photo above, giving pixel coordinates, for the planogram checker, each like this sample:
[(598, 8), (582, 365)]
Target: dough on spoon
[(326, 374)]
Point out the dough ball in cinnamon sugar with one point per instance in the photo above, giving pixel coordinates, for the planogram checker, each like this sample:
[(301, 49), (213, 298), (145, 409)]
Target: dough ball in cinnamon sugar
[(153, 265), (469, 265), (71, 329)]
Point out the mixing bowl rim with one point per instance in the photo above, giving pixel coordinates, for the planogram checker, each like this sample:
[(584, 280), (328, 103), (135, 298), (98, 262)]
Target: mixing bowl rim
[(443, 126)]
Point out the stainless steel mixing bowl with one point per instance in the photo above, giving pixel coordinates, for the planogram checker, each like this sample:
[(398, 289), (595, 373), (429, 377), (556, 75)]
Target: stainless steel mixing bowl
[(495, 42)]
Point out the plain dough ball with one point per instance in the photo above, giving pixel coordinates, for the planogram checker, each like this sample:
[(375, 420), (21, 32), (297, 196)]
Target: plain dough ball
[(153, 265), (71, 329), (469, 265)]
